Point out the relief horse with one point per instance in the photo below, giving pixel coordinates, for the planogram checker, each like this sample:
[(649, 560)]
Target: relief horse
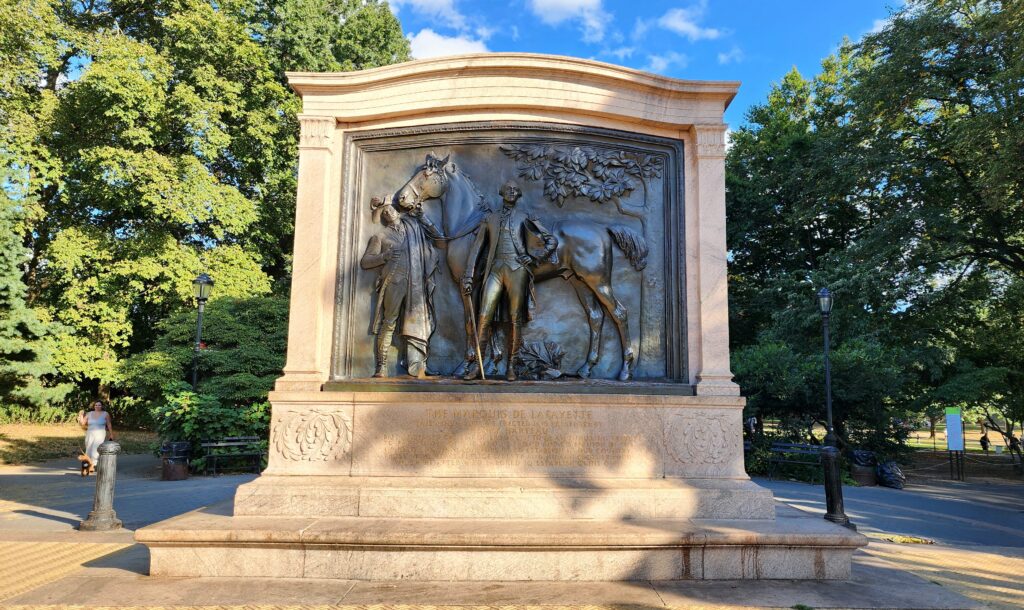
[(584, 255)]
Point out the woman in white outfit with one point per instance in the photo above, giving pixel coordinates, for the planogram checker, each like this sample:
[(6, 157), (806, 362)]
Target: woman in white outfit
[(98, 428)]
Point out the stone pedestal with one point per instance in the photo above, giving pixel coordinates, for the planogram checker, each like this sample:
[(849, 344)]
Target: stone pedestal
[(573, 479), (502, 485)]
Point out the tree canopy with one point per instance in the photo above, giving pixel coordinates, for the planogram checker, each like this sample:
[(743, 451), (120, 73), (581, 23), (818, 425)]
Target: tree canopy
[(146, 142), (894, 177)]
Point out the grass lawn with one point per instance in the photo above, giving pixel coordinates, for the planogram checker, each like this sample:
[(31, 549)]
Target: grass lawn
[(26, 443)]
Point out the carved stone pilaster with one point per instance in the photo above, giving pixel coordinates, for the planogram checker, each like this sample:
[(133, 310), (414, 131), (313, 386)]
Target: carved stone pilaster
[(315, 131), (710, 140)]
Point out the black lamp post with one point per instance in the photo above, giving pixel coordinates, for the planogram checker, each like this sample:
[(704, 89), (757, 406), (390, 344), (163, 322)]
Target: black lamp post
[(202, 286), (829, 453)]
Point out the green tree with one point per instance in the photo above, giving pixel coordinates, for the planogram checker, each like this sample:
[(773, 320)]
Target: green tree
[(894, 177), (149, 141), (26, 341), (244, 351), (942, 104), (335, 35), (796, 218)]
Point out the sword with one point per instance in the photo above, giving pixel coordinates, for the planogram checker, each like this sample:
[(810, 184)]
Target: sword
[(476, 337)]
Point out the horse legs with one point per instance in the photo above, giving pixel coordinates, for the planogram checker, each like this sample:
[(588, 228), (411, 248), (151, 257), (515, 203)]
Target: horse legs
[(603, 292), (595, 319)]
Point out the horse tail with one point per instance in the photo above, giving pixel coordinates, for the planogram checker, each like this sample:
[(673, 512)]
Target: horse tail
[(632, 244)]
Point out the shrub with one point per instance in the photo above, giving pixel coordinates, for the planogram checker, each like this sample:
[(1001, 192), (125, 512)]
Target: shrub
[(184, 415), (44, 414)]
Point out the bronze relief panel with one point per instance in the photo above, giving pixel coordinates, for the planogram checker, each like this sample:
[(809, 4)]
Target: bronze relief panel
[(511, 251)]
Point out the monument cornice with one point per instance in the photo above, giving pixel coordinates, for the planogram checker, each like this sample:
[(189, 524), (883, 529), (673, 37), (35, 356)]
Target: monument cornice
[(497, 81)]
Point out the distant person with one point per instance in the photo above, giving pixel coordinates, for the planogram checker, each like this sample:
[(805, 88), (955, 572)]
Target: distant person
[(985, 443), (98, 428)]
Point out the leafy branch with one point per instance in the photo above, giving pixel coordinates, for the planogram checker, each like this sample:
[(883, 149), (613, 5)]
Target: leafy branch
[(600, 175)]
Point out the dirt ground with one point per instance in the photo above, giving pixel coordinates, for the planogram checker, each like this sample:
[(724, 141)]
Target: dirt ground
[(28, 443)]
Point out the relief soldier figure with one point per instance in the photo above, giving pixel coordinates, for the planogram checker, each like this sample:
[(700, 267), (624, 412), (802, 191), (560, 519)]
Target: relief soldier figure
[(406, 263), (508, 271)]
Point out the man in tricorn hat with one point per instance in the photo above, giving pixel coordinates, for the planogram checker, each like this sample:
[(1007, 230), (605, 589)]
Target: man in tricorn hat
[(508, 270), (406, 264)]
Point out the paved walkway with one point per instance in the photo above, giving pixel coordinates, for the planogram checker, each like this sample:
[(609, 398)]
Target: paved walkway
[(946, 512), (978, 528), (53, 496)]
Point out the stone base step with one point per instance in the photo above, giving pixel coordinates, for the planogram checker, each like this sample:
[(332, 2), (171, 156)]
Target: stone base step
[(204, 543), (503, 498)]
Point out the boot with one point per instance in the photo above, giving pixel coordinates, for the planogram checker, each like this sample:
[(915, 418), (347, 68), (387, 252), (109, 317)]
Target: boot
[(513, 352), (417, 362), (383, 346)]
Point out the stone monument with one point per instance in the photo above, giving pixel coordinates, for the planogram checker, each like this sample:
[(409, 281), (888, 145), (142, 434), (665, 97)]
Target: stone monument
[(508, 352)]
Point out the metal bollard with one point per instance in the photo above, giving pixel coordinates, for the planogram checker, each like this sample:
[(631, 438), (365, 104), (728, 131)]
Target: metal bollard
[(102, 516)]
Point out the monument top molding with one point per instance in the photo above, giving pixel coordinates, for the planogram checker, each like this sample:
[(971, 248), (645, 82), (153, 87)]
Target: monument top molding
[(522, 81)]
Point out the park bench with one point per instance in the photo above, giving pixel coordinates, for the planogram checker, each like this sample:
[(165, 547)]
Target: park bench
[(232, 448), (800, 454)]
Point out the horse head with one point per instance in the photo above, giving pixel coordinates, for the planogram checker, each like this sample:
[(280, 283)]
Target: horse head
[(429, 182)]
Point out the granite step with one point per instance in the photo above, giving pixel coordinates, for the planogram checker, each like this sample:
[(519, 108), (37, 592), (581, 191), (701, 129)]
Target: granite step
[(213, 543), (503, 498)]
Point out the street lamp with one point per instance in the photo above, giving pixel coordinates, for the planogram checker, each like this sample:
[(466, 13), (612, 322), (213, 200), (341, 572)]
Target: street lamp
[(829, 453), (202, 286)]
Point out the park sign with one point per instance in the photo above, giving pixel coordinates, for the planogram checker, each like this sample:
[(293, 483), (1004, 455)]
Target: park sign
[(954, 429)]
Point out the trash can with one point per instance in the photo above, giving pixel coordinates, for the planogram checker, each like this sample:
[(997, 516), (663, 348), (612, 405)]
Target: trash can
[(175, 461), (862, 467)]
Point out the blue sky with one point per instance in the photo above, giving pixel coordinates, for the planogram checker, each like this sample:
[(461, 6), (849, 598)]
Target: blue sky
[(753, 41)]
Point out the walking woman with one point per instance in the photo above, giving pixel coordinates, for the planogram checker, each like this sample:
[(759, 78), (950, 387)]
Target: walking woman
[(98, 428)]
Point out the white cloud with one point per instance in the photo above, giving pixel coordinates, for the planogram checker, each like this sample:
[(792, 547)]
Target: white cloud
[(734, 55), (621, 53), (641, 27), (660, 63), (443, 10), (428, 43), (686, 22), (590, 14), (878, 26), (483, 32)]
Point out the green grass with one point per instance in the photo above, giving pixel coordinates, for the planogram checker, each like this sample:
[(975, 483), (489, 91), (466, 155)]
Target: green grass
[(29, 443)]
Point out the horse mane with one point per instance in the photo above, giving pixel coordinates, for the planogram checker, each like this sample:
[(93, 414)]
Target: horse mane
[(481, 204)]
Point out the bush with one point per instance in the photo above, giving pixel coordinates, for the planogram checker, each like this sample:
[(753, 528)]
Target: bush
[(756, 459), (45, 414), (244, 350), (184, 415)]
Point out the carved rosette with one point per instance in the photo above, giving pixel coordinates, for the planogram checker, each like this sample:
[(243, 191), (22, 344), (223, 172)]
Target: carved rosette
[(313, 435), (710, 140), (315, 131), (699, 437)]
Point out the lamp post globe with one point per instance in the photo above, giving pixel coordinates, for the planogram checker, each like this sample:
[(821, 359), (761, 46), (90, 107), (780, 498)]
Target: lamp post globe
[(829, 453), (825, 301), (202, 287)]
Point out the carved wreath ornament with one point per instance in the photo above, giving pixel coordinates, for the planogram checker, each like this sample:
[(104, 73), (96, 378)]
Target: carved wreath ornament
[(313, 436), (700, 438)]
